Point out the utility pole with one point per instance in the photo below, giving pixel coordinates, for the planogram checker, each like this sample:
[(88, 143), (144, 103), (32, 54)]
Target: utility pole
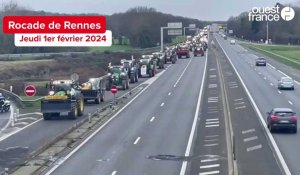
[(267, 33)]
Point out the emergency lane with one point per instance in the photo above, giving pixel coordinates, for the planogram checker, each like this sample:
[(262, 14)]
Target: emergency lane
[(151, 134)]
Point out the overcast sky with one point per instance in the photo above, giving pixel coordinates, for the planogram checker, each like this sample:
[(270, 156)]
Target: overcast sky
[(199, 9)]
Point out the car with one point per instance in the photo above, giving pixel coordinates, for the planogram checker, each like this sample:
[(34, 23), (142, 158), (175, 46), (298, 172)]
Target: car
[(282, 118), (260, 61), (286, 83), (232, 42)]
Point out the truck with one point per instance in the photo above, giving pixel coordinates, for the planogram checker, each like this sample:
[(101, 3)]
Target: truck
[(118, 76), (94, 89), (64, 96), (131, 67), (183, 51), (147, 66)]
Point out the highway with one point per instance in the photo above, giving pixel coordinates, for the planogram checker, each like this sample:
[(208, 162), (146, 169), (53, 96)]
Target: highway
[(150, 135), (262, 85), (20, 145)]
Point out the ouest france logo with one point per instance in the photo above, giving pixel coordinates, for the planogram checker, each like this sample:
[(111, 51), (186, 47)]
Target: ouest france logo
[(271, 13)]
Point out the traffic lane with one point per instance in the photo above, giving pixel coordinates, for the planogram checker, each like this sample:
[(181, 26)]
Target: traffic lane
[(251, 143), (168, 133), (114, 139), (266, 99), (4, 119), (210, 148), (29, 140)]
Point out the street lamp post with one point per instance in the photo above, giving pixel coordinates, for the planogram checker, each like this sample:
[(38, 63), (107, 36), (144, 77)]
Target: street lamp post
[(267, 33)]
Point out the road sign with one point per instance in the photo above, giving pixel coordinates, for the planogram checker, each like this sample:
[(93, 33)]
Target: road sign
[(174, 32), (175, 24), (114, 89), (30, 90), (192, 26)]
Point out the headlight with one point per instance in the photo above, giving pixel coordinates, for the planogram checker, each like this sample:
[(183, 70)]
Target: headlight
[(51, 92)]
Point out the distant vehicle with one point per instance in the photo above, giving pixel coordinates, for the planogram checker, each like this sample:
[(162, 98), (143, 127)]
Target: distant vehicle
[(4, 104), (232, 42), (260, 61), (94, 89), (183, 51), (64, 97), (147, 66), (198, 51), (282, 118), (286, 83), (160, 58), (132, 68), (118, 76), (171, 56)]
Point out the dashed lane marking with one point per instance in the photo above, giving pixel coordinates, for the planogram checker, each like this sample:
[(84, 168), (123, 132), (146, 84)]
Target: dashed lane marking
[(254, 148), (248, 131), (250, 139)]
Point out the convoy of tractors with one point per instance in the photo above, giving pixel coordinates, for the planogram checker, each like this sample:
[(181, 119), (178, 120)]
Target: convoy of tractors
[(68, 97)]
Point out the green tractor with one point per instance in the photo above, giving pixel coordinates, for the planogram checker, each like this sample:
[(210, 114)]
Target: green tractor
[(147, 66), (64, 97), (160, 58), (118, 76)]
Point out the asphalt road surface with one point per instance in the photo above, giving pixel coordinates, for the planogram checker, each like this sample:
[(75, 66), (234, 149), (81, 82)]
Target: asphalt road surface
[(262, 85), (150, 136)]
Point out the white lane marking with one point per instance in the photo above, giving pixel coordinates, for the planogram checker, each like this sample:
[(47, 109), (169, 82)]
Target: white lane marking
[(254, 148), (212, 136), (162, 104), (279, 91), (248, 131), (212, 69), (151, 120), (34, 113), (271, 66), (21, 123), (250, 139), (212, 76), (276, 149), (239, 103), (210, 166), (149, 82), (209, 126), (271, 84), (210, 112), (213, 144), (15, 132), (214, 122), (290, 102), (11, 117), (210, 86), (182, 73), (212, 119), (297, 82), (208, 160), (213, 99), (209, 173), (211, 140), (114, 173), (169, 93), (192, 133), (238, 99), (283, 73), (137, 140), (240, 107), (27, 118)]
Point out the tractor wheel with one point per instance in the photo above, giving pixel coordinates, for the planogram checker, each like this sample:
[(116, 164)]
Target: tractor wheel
[(80, 108), (73, 113), (131, 78), (127, 84), (136, 78), (98, 99), (124, 84), (47, 116)]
